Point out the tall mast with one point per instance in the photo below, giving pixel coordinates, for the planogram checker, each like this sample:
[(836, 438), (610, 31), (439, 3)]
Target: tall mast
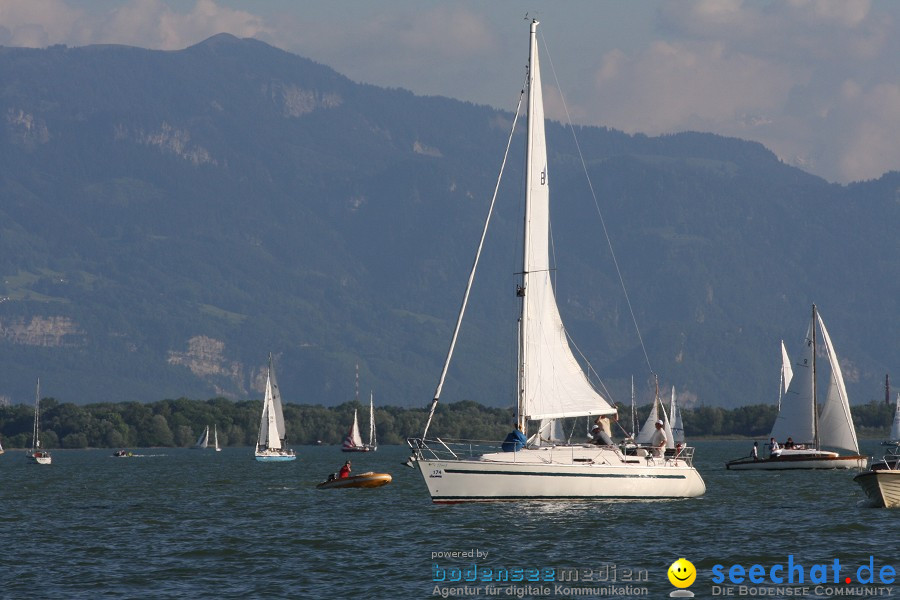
[(815, 403), (522, 292)]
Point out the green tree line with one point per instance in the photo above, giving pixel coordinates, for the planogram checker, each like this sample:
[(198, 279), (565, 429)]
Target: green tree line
[(178, 423)]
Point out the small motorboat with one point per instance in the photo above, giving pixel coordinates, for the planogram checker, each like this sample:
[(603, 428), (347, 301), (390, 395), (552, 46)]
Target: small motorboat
[(881, 482), (363, 480), (122, 454)]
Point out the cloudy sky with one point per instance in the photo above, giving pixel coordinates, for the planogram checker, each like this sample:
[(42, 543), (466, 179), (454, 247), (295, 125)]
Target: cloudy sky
[(816, 81)]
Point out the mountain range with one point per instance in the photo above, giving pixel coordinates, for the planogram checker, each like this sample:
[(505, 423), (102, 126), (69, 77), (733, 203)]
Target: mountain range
[(169, 218)]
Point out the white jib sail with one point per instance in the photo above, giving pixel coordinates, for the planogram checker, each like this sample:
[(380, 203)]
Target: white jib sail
[(553, 383), (796, 417), (835, 422), (203, 440), (786, 372), (354, 436)]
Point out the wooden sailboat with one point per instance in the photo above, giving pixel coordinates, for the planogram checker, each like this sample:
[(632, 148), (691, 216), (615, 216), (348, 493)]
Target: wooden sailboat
[(36, 455), (551, 384), (270, 443), (806, 429)]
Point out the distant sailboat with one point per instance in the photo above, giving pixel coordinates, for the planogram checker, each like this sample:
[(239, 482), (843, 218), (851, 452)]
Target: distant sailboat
[(801, 424), (353, 440), (270, 444), (36, 455), (216, 437), (1, 448), (894, 439), (677, 424), (203, 440)]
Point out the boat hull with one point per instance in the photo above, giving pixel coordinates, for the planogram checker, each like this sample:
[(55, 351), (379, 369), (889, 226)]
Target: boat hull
[(364, 480), (356, 449), (780, 463), (275, 456), (40, 458), (491, 480), (882, 487)]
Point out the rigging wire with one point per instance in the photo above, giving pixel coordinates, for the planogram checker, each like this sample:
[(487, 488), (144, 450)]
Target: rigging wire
[(597, 206)]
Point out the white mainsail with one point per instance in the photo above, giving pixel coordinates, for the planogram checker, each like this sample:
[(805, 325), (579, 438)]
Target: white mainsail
[(216, 437), (835, 422), (553, 385)]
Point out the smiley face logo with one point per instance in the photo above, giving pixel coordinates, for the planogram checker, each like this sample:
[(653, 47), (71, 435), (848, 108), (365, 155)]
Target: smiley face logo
[(682, 573)]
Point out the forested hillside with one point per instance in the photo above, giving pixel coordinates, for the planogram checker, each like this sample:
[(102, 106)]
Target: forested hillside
[(167, 219)]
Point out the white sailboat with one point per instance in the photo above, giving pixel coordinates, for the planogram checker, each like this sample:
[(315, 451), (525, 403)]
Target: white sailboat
[(36, 455), (203, 440), (551, 385), (801, 429), (270, 444), (216, 437), (1, 448)]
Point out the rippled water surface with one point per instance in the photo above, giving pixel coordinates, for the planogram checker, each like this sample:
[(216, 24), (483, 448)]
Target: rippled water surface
[(184, 523)]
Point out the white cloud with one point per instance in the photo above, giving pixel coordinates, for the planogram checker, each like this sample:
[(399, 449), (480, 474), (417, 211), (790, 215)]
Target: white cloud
[(145, 23), (38, 23), (872, 143), (698, 85)]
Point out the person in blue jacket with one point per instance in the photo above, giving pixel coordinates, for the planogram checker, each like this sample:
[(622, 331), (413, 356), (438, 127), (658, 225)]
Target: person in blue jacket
[(515, 441)]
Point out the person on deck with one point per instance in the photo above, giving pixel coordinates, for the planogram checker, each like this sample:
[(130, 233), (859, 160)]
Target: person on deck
[(774, 450), (754, 453), (345, 471), (515, 441), (600, 437), (658, 441)]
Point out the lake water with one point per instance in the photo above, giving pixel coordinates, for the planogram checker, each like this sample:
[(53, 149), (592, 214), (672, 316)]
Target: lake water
[(184, 523)]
